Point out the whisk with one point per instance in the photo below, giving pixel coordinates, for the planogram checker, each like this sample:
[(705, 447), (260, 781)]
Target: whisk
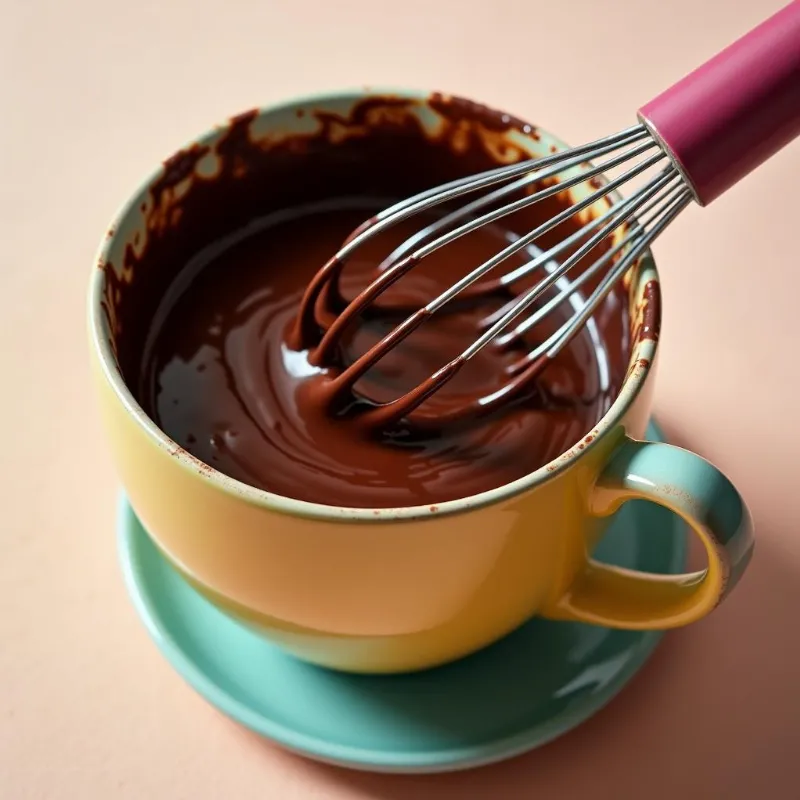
[(699, 137)]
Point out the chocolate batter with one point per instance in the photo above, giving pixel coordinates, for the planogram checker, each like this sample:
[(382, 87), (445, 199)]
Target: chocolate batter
[(216, 361)]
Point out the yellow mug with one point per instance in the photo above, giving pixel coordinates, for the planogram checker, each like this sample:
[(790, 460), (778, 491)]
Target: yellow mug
[(387, 590)]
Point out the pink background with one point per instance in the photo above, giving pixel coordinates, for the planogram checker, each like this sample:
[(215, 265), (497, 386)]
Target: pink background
[(93, 95)]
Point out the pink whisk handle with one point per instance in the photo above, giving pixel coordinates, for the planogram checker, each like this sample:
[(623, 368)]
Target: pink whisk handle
[(737, 110)]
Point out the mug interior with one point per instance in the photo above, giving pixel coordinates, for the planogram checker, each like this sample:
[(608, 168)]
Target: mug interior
[(355, 145)]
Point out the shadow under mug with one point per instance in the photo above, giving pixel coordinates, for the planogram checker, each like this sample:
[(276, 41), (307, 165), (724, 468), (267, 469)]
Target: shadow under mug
[(387, 590)]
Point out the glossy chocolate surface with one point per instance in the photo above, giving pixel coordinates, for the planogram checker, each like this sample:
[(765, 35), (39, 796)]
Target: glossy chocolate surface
[(210, 353)]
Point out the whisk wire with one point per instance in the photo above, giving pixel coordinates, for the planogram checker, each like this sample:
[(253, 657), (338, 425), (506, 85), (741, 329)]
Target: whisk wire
[(456, 189), (559, 340), (332, 336), (669, 206), (536, 197), (535, 175), (529, 238), (644, 214), (630, 206), (590, 272)]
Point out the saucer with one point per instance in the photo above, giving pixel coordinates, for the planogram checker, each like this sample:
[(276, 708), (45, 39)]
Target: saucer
[(536, 684)]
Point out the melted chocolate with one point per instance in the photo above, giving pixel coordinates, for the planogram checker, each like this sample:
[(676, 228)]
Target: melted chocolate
[(212, 352)]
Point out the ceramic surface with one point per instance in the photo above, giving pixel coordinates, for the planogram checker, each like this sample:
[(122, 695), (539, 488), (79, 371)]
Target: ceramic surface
[(532, 686), (391, 590)]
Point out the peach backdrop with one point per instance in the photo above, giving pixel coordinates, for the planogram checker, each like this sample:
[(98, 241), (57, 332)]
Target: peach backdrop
[(93, 94)]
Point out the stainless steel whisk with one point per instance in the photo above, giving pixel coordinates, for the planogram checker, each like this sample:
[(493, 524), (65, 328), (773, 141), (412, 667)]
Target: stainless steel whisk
[(700, 137)]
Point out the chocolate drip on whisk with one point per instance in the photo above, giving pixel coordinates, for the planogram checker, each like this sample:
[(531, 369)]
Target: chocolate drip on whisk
[(325, 317)]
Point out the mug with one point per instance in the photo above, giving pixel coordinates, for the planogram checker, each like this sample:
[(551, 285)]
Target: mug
[(389, 590)]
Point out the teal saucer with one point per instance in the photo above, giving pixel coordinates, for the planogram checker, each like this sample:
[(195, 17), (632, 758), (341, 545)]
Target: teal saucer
[(534, 685)]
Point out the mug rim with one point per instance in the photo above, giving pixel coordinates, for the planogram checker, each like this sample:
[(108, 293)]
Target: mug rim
[(641, 360)]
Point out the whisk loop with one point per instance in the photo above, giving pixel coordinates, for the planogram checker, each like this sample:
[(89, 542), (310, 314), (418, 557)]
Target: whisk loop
[(646, 211)]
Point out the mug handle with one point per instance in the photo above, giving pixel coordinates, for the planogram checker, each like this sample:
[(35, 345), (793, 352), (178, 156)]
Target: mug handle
[(701, 495)]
